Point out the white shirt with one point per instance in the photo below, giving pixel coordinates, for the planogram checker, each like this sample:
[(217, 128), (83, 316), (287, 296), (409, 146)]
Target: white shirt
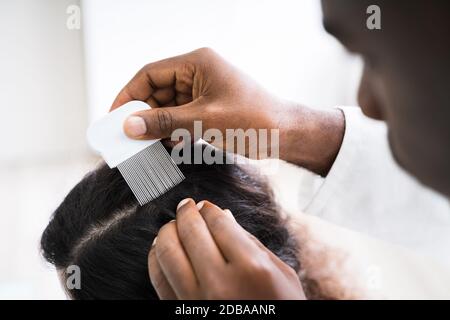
[(368, 192)]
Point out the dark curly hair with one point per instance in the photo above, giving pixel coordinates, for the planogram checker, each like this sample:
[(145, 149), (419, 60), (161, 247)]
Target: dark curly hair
[(101, 228)]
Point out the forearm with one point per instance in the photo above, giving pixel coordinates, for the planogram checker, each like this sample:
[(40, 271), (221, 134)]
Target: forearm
[(311, 138)]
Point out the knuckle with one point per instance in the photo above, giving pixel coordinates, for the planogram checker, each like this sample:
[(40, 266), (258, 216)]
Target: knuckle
[(165, 231), (217, 222), (164, 121), (204, 57), (188, 231), (187, 68), (205, 51), (146, 67), (165, 244), (164, 250), (185, 77), (143, 73), (259, 266)]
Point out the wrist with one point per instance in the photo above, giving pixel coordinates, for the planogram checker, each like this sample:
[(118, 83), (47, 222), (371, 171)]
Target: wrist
[(311, 138)]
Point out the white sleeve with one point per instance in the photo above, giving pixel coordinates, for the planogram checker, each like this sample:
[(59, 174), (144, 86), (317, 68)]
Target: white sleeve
[(368, 192)]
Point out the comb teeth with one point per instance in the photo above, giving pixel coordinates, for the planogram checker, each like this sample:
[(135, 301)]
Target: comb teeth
[(150, 173)]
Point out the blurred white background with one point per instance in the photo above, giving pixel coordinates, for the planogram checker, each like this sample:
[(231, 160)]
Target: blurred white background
[(54, 81), (280, 43)]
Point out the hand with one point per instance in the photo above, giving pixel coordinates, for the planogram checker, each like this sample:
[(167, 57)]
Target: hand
[(206, 254), (201, 85)]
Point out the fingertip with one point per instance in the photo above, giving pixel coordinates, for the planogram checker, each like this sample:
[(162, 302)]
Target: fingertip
[(205, 204), (183, 202), (122, 98), (135, 126), (200, 205)]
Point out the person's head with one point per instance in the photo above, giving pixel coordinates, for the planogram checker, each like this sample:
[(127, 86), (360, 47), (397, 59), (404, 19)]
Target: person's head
[(100, 228), (406, 77)]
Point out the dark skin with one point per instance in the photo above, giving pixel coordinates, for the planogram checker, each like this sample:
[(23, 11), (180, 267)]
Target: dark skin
[(406, 78), (201, 85), (193, 258), (405, 82)]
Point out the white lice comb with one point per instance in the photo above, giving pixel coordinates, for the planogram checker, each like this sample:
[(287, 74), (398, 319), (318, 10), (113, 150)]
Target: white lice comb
[(145, 165)]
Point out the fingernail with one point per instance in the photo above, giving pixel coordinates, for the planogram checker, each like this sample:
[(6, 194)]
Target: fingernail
[(182, 203), (135, 126), (154, 241), (200, 205)]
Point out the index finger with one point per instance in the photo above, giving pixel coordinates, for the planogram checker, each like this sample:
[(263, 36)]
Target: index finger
[(198, 243), (153, 76), (174, 263), (223, 228)]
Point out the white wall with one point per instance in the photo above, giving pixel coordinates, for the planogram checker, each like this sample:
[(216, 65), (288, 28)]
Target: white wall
[(43, 118), (43, 110), (280, 43)]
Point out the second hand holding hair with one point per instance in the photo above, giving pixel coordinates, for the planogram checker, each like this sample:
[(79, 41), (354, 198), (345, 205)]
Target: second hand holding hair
[(202, 232)]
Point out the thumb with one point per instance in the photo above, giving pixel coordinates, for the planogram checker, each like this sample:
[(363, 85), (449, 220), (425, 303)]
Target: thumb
[(159, 123)]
